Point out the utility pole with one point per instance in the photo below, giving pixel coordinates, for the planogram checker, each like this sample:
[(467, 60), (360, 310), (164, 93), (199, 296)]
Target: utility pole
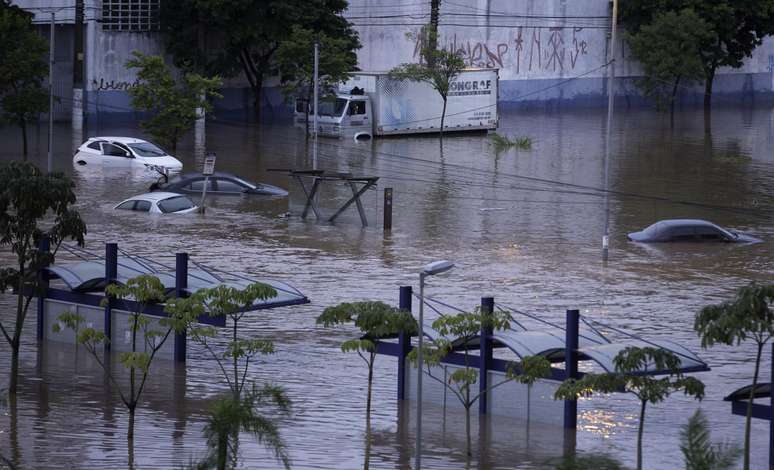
[(316, 91), (51, 46), (608, 136), (432, 35), (77, 114)]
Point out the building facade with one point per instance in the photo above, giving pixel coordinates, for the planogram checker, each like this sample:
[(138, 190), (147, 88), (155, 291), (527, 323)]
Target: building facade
[(549, 52)]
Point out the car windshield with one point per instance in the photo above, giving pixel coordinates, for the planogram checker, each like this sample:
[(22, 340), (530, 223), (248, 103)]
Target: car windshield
[(330, 107), (175, 204), (653, 229), (147, 149)]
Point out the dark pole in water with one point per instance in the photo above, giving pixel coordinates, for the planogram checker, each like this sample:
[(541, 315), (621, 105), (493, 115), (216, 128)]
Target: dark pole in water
[(404, 342), (111, 273), (181, 283), (571, 366), (485, 355), (387, 209)]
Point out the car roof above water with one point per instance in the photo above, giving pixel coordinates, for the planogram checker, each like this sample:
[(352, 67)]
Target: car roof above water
[(155, 196), (121, 140)]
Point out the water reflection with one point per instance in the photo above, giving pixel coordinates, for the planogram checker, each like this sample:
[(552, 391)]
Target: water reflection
[(524, 226)]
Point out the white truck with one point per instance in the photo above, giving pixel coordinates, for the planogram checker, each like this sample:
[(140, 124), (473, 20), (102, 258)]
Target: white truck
[(373, 104)]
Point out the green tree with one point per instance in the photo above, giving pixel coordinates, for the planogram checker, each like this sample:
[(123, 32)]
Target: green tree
[(23, 69), (27, 198), (631, 367), (147, 338), (737, 27), (375, 320), (172, 106), (295, 61), (669, 49), (239, 409), (226, 38), (698, 450), (748, 316), (438, 68), (460, 332)]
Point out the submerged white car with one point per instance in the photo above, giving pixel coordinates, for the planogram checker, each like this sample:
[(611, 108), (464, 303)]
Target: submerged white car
[(125, 151), (159, 203)]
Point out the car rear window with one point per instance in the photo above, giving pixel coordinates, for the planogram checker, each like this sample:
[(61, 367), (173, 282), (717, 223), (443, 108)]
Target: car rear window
[(175, 204)]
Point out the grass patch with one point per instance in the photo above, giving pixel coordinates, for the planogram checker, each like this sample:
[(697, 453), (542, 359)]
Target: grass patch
[(501, 142), (735, 158)]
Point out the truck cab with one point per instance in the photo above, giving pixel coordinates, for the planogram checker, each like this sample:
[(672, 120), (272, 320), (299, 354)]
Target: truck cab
[(340, 116)]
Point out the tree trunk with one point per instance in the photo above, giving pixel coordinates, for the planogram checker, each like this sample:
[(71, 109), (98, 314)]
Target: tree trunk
[(467, 430), (130, 439), (14, 366), (236, 365), (368, 399), (222, 456), (748, 418), (258, 94), (23, 125), (443, 116), (16, 340), (130, 430), (708, 89), (672, 100), (639, 434)]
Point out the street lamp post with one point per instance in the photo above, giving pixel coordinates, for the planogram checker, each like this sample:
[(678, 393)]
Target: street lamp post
[(431, 269)]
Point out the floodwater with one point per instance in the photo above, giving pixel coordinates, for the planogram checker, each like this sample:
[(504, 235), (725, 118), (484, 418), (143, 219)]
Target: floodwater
[(523, 225)]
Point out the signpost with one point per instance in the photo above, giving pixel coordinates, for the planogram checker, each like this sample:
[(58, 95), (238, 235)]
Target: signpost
[(207, 171)]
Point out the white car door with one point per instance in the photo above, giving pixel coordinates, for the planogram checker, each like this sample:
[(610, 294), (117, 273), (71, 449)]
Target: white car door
[(115, 155)]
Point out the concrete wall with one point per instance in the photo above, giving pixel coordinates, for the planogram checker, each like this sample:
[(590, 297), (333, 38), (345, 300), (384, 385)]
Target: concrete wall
[(548, 52)]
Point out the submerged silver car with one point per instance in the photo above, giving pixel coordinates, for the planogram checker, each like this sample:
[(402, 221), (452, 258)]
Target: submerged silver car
[(689, 230)]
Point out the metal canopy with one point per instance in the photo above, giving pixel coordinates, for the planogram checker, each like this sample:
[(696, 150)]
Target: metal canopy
[(549, 341), (89, 276), (762, 390)]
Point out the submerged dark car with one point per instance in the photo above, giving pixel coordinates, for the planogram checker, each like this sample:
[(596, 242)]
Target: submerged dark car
[(689, 230), (217, 183)]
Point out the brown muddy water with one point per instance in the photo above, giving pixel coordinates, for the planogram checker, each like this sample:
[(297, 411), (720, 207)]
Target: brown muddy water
[(523, 226)]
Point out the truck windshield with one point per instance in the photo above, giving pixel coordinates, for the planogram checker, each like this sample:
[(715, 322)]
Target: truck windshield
[(332, 107)]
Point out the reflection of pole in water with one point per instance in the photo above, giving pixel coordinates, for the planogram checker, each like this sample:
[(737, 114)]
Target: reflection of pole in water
[(610, 96)]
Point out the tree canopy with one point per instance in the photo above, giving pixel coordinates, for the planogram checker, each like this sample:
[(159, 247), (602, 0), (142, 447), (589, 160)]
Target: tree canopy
[(23, 69), (173, 106), (737, 27), (242, 36)]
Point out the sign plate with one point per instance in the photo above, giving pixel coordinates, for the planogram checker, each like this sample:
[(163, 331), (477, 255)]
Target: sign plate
[(209, 165)]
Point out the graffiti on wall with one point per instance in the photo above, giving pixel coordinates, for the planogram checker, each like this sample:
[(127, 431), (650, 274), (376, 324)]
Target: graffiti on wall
[(529, 49), (107, 85)]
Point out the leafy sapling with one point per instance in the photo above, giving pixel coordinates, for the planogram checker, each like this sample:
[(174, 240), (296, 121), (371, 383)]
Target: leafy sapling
[(460, 332), (632, 366), (749, 315), (240, 409), (28, 198)]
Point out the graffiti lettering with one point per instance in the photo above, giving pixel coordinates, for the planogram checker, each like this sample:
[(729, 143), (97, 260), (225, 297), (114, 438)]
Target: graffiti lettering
[(557, 53), (105, 85)]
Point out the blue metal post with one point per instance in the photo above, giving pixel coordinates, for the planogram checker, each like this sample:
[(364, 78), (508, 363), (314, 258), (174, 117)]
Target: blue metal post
[(485, 354), (571, 366), (43, 247), (404, 342), (111, 274), (181, 283)]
